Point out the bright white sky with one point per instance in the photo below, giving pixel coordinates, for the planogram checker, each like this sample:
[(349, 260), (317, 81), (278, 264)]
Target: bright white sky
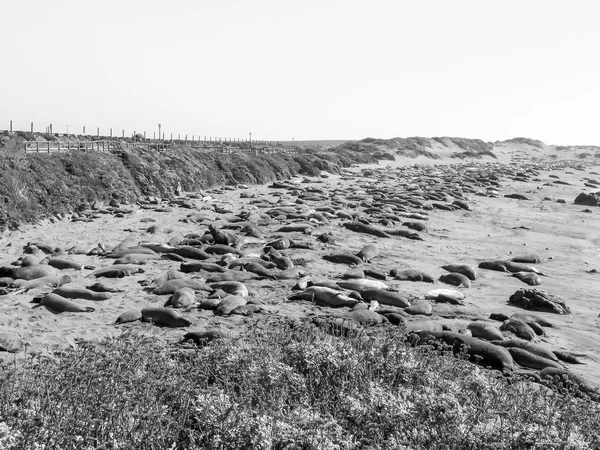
[(305, 69)]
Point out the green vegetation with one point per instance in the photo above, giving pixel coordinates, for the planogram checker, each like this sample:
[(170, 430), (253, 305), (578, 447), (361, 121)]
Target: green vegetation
[(34, 186), (282, 385)]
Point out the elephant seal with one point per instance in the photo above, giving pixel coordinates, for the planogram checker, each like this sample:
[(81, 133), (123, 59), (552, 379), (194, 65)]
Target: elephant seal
[(221, 249), (117, 271), (529, 278), (246, 310), (493, 265), (490, 354), (533, 318), (485, 330), (99, 287), (169, 287), (362, 284), (136, 258), (59, 304), (181, 298), (420, 307), (132, 315), (530, 258), (280, 244), (356, 272), (165, 316), (191, 252), (64, 263), (29, 260), (78, 292), (528, 346), (366, 316), (446, 296), (395, 318), (518, 267), (223, 237), (27, 273), (519, 328), (463, 269), (411, 275), (232, 275), (201, 265), (49, 281), (231, 287), (10, 343), (455, 279), (343, 258), (423, 325), (530, 360), (327, 296), (368, 252), (385, 297), (567, 357), (120, 252), (229, 303)]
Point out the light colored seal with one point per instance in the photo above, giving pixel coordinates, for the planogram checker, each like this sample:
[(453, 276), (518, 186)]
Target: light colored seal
[(229, 303), (422, 307), (362, 284), (27, 273), (368, 252), (58, 304), (182, 298), (446, 296), (231, 287)]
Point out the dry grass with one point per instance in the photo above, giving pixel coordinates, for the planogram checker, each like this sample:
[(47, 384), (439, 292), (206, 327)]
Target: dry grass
[(283, 385)]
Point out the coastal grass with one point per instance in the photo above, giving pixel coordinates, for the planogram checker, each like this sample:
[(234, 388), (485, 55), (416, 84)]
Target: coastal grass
[(283, 384)]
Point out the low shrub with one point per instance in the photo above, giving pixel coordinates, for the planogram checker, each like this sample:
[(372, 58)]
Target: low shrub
[(283, 385)]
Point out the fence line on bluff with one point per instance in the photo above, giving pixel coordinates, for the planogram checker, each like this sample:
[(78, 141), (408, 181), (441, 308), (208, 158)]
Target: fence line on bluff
[(139, 138)]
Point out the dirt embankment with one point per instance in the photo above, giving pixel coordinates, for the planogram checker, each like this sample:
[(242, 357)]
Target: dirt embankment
[(36, 186)]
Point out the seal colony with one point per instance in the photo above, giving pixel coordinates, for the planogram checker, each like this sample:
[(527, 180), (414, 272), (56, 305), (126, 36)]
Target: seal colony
[(444, 250)]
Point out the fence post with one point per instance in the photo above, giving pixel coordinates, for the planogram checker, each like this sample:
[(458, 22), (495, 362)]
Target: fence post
[(32, 127), (50, 133), (11, 126), (98, 131), (111, 132)]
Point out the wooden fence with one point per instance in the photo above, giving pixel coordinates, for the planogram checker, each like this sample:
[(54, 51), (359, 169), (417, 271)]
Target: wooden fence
[(67, 146), (46, 147)]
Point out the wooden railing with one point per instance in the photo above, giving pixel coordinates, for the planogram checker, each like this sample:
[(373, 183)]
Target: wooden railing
[(67, 146), (46, 147)]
